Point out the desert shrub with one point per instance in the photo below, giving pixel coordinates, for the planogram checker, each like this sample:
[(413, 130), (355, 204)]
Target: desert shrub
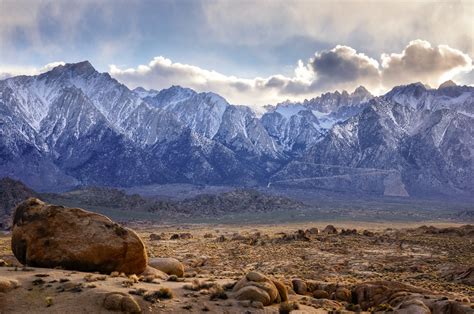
[(197, 285), (217, 292), (173, 278), (163, 293)]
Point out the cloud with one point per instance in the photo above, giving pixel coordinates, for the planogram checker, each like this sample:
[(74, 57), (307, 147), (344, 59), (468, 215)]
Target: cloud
[(51, 66), (377, 25), (339, 68), (162, 73), (420, 61), (6, 72), (342, 66)]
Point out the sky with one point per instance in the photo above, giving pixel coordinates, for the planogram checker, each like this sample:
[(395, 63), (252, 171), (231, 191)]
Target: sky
[(251, 52)]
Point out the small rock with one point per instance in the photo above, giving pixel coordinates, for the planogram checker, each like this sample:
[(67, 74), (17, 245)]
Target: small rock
[(121, 302), (299, 286), (368, 233), (320, 294), (330, 229), (155, 237), (7, 285), (221, 238), (113, 302), (348, 232), (256, 305)]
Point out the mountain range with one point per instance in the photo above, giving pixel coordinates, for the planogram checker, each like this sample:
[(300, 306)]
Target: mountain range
[(73, 126)]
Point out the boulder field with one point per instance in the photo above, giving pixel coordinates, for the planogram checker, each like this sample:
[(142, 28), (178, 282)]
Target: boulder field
[(63, 241)]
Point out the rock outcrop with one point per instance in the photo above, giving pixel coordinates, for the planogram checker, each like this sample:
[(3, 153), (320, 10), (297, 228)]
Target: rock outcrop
[(257, 287), (404, 298), (55, 236)]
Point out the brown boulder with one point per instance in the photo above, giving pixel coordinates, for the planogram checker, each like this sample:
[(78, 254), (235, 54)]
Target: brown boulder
[(282, 290), (414, 306), (299, 286), (168, 265), (120, 302), (55, 236), (320, 294), (348, 232), (343, 294), (368, 233), (252, 293), (155, 237), (7, 285), (330, 229), (370, 294), (258, 287), (460, 275), (154, 273)]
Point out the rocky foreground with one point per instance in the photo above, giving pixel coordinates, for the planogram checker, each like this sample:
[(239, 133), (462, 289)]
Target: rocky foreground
[(61, 260)]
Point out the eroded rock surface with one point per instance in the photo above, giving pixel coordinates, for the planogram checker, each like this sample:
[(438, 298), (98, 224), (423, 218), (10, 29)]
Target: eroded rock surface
[(257, 287), (55, 236)]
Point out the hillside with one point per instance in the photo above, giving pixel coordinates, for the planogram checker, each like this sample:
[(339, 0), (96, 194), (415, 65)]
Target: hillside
[(12, 192)]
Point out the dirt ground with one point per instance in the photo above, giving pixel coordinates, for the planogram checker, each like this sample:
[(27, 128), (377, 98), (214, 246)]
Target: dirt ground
[(222, 254)]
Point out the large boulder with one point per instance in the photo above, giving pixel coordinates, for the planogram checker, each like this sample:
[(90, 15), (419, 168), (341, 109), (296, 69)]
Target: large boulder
[(55, 236), (168, 265)]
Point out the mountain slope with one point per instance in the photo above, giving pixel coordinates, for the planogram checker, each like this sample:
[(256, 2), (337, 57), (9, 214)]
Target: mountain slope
[(75, 126)]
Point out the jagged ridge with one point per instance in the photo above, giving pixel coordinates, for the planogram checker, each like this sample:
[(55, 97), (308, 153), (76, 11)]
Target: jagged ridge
[(75, 126)]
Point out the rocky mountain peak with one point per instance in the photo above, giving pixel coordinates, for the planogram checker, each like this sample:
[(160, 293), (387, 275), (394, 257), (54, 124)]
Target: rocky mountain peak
[(76, 69), (361, 91), (448, 83)]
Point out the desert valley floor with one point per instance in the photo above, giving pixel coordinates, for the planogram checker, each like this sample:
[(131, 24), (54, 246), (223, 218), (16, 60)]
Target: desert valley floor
[(405, 266)]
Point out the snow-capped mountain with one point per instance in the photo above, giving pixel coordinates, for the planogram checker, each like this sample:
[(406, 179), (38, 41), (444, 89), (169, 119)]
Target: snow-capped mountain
[(74, 125)]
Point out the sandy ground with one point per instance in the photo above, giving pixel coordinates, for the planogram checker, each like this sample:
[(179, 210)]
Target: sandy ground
[(225, 253)]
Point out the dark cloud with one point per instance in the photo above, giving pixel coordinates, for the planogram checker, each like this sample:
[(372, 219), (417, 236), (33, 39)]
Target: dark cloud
[(344, 65)]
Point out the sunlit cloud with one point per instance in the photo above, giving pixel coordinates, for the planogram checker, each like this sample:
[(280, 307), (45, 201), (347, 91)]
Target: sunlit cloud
[(6, 72), (339, 68), (420, 61)]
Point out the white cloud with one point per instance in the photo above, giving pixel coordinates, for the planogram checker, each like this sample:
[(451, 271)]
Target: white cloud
[(162, 73), (10, 71), (339, 68), (420, 61)]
